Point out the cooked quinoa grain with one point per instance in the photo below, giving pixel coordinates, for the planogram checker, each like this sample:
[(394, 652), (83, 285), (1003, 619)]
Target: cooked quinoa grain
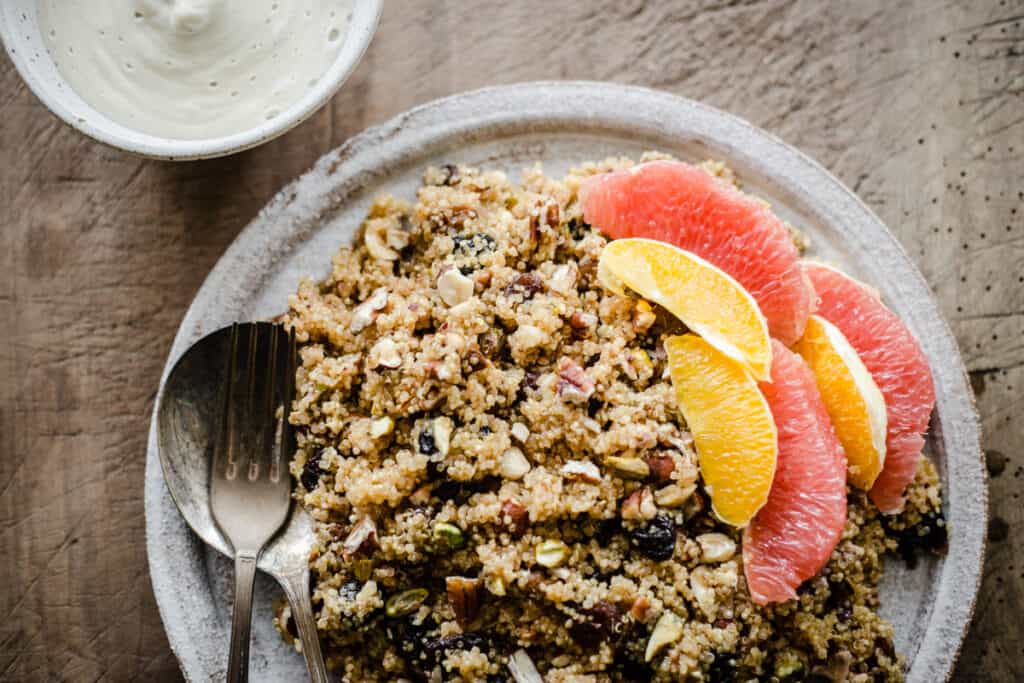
[(491, 450)]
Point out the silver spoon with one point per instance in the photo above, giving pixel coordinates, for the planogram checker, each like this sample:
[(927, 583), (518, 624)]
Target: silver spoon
[(188, 413)]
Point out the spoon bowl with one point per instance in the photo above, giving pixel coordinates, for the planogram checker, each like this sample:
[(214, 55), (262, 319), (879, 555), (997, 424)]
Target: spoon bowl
[(188, 411)]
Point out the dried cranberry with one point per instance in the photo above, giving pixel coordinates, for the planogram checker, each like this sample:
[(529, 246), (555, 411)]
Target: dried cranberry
[(656, 539), (602, 623)]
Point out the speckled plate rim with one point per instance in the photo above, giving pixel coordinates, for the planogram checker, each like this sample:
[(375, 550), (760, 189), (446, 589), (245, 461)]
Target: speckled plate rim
[(177, 573)]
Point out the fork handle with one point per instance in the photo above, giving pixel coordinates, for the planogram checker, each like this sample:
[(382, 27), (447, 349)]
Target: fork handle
[(296, 589), (241, 618)]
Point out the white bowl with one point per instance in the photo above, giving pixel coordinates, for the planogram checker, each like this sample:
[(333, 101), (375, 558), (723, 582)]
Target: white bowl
[(19, 32)]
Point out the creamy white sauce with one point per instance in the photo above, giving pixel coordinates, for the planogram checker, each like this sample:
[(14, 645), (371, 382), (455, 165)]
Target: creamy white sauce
[(193, 69)]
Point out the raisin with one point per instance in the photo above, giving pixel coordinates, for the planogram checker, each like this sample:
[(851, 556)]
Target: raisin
[(311, 471), (527, 285), (602, 623), (426, 443), (578, 229), (930, 534), (656, 540)]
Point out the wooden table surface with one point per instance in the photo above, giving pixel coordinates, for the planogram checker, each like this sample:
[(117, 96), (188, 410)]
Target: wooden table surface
[(917, 105)]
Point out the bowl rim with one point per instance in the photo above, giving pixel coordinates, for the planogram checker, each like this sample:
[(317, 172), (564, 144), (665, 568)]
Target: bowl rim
[(362, 27)]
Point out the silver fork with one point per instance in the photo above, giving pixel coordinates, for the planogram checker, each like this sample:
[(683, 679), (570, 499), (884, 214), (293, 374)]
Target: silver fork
[(250, 485)]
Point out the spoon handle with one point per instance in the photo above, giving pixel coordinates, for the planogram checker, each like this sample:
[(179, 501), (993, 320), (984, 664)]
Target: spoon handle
[(296, 589), (241, 618)]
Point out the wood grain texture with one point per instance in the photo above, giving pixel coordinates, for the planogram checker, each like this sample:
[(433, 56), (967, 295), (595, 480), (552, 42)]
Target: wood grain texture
[(917, 105)]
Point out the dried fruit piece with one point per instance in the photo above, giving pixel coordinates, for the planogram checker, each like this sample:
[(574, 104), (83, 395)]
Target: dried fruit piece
[(656, 540), (464, 595)]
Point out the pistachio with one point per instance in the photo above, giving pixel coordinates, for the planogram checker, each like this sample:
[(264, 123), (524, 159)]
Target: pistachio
[(366, 312), (628, 468), (454, 287), (551, 553), (382, 426), (583, 470), (715, 547), (520, 432), (362, 569), (449, 534), (495, 585), (514, 464), (673, 495), (385, 353), (668, 630), (406, 602), (464, 597), (362, 537)]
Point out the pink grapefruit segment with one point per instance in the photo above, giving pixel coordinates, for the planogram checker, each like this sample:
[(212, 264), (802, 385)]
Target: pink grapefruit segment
[(683, 205), (892, 355), (793, 535)]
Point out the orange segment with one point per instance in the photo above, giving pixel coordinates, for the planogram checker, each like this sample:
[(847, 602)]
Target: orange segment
[(731, 423), (707, 300), (851, 397)]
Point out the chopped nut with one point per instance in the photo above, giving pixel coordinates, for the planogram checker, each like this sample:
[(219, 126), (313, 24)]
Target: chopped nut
[(382, 240), (640, 609), (527, 337), (514, 464), (563, 280), (639, 505), (520, 432), (551, 553), (628, 468), (582, 324), (495, 585), (643, 317), (716, 547), (552, 214), (406, 602), (449, 534), (703, 588), (385, 353), (362, 569), (362, 537), (574, 383), (454, 287), (366, 312), (441, 428), (526, 284), (515, 517), (581, 469), (382, 426), (661, 468), (464, 596), (637, 365), (668, 630), (522, 668), (673, 495)]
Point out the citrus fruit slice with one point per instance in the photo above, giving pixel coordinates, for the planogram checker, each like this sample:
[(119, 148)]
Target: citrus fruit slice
[(794, 534), (851, 397), (731, 424), (684, 205), (896, 363), (707, 300)]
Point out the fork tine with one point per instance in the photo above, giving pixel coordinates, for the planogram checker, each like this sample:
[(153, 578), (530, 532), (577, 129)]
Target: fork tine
[(268, 439), (224, 453), (249, 435)]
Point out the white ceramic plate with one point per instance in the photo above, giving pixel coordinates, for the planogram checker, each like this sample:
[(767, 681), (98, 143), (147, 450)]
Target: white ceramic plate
[(561, 124)]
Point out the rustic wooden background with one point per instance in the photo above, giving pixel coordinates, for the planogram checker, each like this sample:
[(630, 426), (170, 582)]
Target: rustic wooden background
[(917, 105)]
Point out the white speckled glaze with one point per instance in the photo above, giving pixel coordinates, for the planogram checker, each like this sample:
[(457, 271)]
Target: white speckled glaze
[(560, 124), (20, 34)]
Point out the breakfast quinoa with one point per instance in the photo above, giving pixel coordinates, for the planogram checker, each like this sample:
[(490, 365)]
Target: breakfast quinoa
[(500, 478)]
